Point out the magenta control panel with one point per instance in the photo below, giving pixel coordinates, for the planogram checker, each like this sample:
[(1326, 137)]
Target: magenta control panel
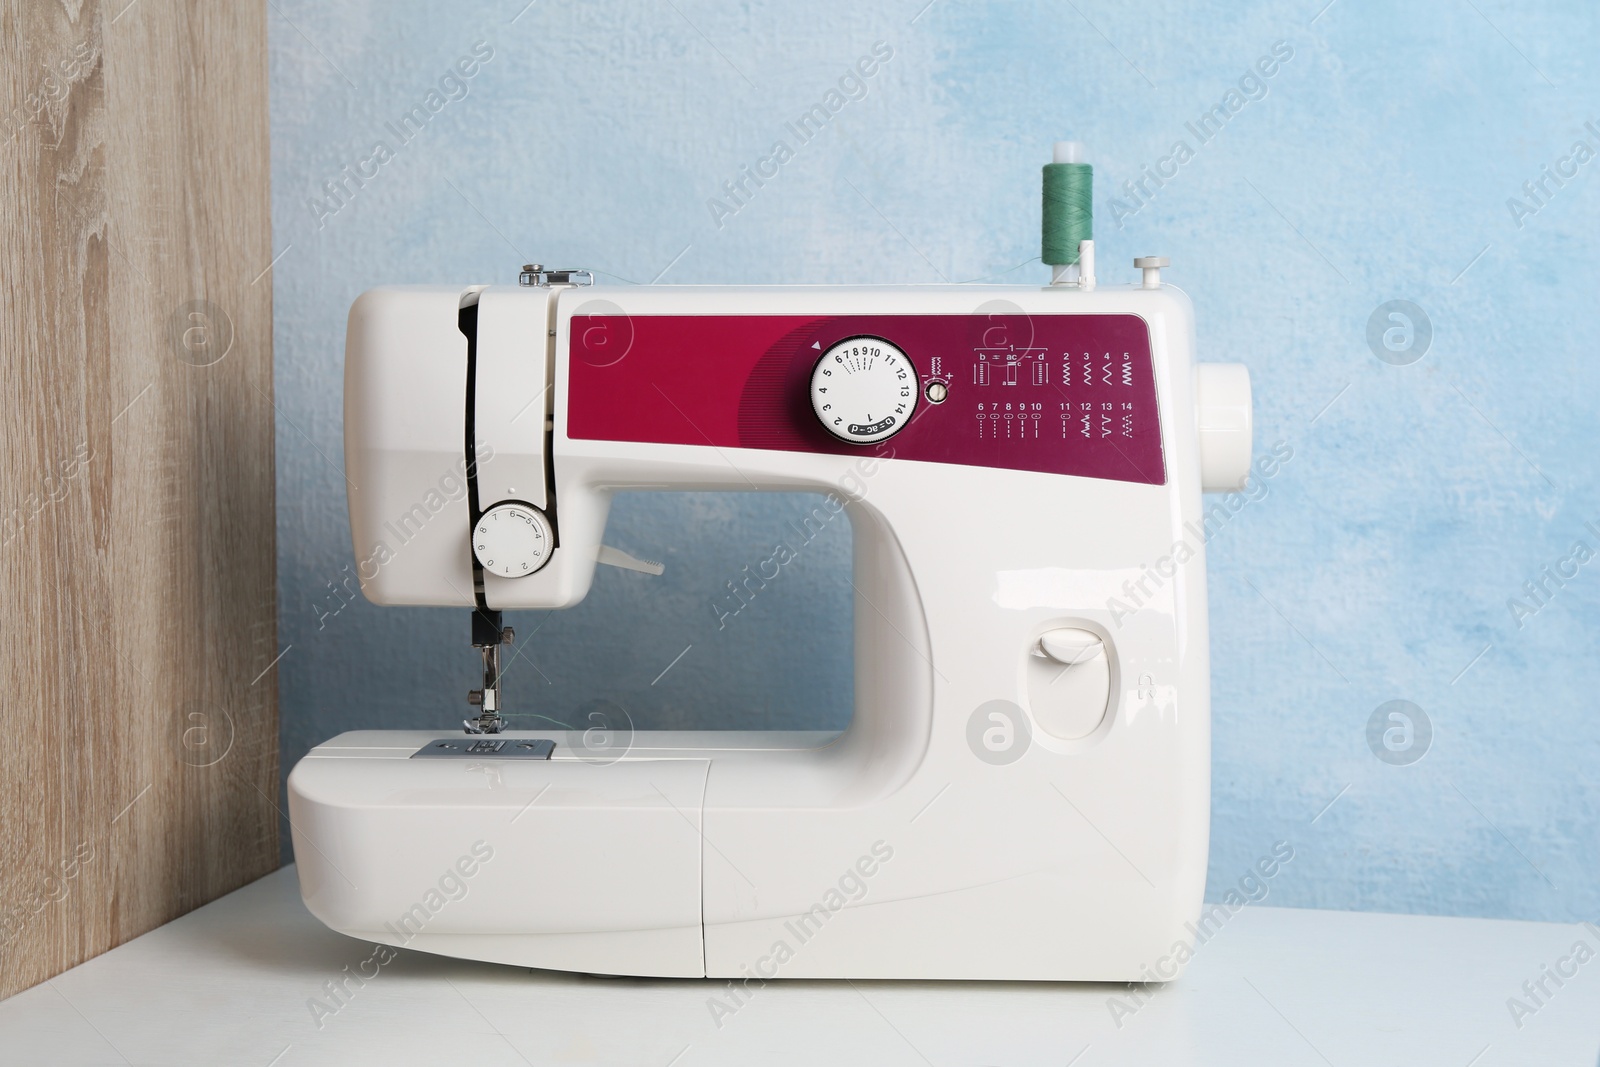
[(1060, 394)]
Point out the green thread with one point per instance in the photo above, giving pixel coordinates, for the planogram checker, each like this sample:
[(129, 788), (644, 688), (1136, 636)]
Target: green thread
[(1068, 211)]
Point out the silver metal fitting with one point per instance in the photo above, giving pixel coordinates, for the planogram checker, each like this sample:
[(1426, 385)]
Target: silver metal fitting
[(535, 274), (487, 699)]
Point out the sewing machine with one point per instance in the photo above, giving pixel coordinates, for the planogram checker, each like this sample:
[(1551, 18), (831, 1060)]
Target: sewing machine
[(1023, 791)]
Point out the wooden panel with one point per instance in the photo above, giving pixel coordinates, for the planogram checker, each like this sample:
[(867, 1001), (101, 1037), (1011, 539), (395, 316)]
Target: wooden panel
[(139, 777)]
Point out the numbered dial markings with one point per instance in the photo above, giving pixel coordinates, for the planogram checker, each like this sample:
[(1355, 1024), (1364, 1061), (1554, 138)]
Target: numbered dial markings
[(512, 540), (864, 390)]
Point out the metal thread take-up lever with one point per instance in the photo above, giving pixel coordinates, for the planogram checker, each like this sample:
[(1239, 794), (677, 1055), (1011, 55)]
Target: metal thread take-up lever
[(489, 636)]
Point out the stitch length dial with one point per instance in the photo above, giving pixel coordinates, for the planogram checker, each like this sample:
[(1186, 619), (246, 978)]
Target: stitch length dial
[(864, 390)]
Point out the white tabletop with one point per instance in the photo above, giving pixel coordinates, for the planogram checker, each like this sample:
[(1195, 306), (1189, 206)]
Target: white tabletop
[(234, 983)]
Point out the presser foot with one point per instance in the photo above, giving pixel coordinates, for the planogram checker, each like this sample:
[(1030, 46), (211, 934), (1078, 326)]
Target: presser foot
[(483, 724)]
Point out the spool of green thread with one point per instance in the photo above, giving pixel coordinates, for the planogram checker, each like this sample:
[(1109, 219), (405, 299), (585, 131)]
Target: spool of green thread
[(1068, 211)]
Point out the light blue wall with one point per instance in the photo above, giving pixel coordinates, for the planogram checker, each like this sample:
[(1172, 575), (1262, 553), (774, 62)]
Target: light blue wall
[(1378, 564)]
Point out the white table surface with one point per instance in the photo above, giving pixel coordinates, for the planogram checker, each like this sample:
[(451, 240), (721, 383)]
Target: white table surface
[(230, 984)]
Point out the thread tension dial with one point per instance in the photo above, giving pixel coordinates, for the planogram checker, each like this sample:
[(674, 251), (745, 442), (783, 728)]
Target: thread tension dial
[(512, 539)]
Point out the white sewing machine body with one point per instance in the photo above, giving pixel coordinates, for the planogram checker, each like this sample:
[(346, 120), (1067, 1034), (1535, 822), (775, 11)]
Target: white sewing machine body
[(1059, 835)]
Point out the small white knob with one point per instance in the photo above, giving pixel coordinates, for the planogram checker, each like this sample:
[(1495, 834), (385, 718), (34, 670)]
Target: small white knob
[(512, 540), (1070, 646), (1151, 268)]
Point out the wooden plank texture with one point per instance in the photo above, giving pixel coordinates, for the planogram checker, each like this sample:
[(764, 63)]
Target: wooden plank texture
[(139, 778)]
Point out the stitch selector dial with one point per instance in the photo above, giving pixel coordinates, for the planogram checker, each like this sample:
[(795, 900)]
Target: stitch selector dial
[(864, 390), (512, 539)]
